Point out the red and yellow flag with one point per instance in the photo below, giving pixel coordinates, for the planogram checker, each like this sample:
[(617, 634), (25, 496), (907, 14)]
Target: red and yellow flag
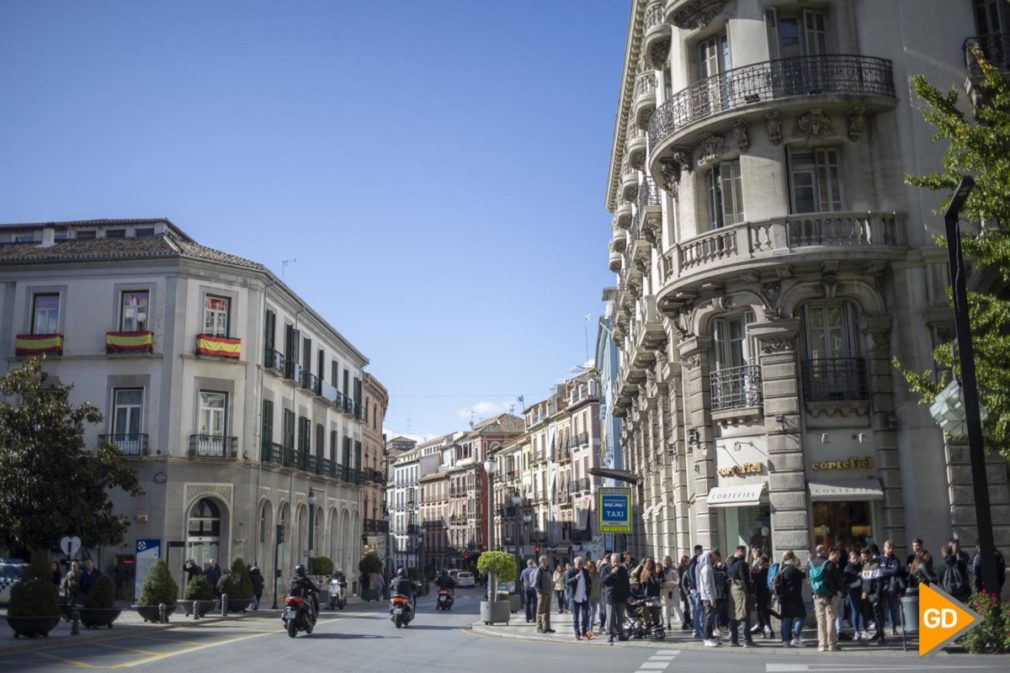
[(222, 347), (37, 344), (129, 342)]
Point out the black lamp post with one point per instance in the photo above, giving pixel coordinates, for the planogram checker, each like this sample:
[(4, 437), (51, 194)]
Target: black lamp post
[(312, 527)]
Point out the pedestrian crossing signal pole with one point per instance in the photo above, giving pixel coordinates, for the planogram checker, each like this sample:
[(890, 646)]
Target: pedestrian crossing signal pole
[(279, 539)]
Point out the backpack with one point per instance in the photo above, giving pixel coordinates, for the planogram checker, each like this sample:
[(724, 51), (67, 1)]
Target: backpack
[(773, 572), (954, 581), (816, 574)]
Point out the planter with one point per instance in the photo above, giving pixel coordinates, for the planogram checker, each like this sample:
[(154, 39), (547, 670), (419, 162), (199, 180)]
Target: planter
[(32, 626), (238, 604), (97, 617), (150, 612), (369, 595), (203, 606), (494, 612), (515, 602)]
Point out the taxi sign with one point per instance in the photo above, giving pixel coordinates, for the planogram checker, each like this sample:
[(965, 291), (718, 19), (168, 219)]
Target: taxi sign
[(942, 619)]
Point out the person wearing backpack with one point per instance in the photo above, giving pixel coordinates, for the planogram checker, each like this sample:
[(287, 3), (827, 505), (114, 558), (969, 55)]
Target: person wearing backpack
[(954, 578), (976, 569), (825, 583)]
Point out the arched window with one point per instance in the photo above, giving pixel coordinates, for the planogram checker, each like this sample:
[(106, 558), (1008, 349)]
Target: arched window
[(203, 531)]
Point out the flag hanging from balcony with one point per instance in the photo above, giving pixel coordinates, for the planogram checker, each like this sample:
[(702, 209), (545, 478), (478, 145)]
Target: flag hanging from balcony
[(39, 344), (221, 347), (129, 342)]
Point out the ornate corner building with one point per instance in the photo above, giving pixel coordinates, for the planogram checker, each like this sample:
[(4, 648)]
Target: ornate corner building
[(771, 262)]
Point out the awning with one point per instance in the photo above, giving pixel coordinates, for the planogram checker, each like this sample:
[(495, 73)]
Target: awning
[(846, 489), (747, 495)]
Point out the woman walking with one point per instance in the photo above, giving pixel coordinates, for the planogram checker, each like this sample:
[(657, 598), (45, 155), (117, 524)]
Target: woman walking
[(650, 579), (671, 592), (687, 622), (559, 588), (595, 592), (789, 587)]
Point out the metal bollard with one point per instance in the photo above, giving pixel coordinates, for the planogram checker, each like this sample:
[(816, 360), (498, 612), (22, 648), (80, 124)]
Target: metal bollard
[(162, 613), (224, 605), (75, 622), (196, 610)]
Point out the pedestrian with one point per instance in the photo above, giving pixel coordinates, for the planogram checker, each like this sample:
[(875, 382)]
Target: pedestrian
[(839, 590), (529, 590), (976, 569), (221, 582), (595, 594), (71, 586), (378, 583), (57, 576), (741, 592), (789, 589), (558, 582), (256, 577), (691, 578), (544, 585), (922, 571), (650, 582), (762, 598), (191, 569), (616, 589), (629, 560), (567, 589), (707, 594), (578, 583), (893, 583), (88, 576), (852, 576), (916, 550), (213, 573), (722, 597), (825, 582), (671, 592), (872, 600), (954, 577)]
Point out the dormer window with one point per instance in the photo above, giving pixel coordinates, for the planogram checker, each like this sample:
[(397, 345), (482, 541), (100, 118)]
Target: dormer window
[(115, 233), (85, 235)]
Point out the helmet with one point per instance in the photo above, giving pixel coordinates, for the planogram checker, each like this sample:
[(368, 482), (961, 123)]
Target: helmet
[(300, 570), (401, 572)]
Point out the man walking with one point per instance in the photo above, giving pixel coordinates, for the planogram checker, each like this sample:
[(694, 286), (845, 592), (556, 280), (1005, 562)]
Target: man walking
[(544, 584), (578, 581), (691, 578), (708, 594), (741, 592), (88, 576), (825, 583), (529, 590), (616, 588)]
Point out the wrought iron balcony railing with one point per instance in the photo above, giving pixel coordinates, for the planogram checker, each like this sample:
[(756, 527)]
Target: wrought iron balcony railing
[(130, 444), (224, 447), (735, 387), (834, 379), (274, 361), (995, 48), (771, 80)]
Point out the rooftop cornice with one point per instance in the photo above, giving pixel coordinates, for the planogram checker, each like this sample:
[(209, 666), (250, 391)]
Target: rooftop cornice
[(632, 51)]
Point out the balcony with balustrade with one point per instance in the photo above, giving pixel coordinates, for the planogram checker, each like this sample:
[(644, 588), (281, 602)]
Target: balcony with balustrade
[(735, 392), (995, 50), (656, 37), (644, 100), (131, 445), (629, 182), (213, 447)]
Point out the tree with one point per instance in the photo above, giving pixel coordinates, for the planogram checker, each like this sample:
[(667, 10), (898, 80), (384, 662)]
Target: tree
[(978, 146), (50, 485)]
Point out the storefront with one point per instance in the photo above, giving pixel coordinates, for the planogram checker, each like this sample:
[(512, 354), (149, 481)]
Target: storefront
[(741, 497)]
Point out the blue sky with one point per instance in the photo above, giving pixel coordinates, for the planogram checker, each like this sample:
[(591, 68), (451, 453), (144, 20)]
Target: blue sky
[(436, 167)]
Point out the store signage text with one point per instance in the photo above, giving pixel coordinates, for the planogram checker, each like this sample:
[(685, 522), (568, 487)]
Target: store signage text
[(742, 469), (850, 464)]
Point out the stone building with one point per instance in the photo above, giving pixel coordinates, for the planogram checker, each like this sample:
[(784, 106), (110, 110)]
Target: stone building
[(373, 469), (771, 262)]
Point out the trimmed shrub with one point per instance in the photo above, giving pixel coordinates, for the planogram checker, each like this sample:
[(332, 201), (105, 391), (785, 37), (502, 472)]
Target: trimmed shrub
[(370, 563), (35, 595), (158, 587), (102, 595), (501, 563), (320, 565), (991, 635), (198, 589), (238, 585)]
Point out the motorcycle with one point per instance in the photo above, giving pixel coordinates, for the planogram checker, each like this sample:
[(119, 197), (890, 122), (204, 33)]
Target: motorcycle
[(338, 594), (400, 610), (445, 600), (298, 615)]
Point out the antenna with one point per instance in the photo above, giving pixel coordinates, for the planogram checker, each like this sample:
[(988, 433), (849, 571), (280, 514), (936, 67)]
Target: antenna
[(588, 316), (284, 266)]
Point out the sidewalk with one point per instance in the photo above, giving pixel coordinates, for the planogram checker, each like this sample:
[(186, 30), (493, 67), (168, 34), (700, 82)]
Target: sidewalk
[(518, 629)]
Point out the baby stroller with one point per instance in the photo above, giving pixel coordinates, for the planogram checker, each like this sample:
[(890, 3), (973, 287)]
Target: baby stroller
[(642, 619)]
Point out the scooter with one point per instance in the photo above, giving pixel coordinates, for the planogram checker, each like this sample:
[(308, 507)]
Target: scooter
[(400, 610), (445, 600), (298, 615), (338, 594)]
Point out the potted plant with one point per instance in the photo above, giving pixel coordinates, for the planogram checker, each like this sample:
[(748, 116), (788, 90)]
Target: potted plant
[(369, 564), (34, 608), (499, 566), (100, 604), (199, 596), (320, 565), (238, 587), (158, 588)]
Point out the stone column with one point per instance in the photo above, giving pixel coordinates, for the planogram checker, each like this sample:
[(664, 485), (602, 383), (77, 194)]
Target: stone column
[(694, 353), (781, 389), (962, 496)]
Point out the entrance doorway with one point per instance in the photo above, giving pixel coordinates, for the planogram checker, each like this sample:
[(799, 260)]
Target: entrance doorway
[(846, 525)]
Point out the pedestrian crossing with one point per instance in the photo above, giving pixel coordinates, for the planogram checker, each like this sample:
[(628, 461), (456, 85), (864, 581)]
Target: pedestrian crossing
[(658, 661)]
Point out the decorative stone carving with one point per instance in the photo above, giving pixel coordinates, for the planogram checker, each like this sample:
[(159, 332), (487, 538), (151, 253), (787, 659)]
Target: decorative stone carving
[(773, 122), (813, 124), (881, 342), (658, 51), (652, 226), (697, 13), (693, 361), (682, 155), (670, 174), (711, 147), (855, 122), (196, 491), (777, 344), (741, 133), (829, 285)]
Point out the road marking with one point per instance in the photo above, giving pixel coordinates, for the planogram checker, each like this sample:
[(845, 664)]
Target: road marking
[(71, 662), (848, 668), (195, 648), (653, 665)]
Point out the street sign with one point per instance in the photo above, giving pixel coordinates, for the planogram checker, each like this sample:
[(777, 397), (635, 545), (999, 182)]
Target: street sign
[(942, 619), (614, 510), (148, 553), (70, 544)]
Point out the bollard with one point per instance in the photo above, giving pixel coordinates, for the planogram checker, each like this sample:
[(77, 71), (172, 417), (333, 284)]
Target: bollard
[(162, 613), (224, 605), (196, 610), (75, 622)]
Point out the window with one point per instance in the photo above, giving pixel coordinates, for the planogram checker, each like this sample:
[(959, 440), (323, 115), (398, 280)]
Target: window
[(45, 314), (85, 235), (215, 315), (267, 428), (725, 194), (991, 17), (730, 344), (133, 311), (288, 429), (796, 34), (115, 233), (145, 232), (713, 56), (24, 238), (828, 331), (203, 539), (127, 415), (833, 370), (212, 417), (815, 180)]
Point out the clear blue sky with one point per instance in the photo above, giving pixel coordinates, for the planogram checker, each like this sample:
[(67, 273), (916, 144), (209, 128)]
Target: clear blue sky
[(437, 167)]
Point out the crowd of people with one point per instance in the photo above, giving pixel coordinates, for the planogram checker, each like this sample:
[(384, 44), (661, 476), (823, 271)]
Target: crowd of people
[(855, 593)]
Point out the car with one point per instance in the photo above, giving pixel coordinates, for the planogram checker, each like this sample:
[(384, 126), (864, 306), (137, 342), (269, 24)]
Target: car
[(10, 572), (453, 573), (465, 579)]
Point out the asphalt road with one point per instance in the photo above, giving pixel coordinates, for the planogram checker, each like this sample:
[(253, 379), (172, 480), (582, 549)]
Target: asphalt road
[(362, 639)]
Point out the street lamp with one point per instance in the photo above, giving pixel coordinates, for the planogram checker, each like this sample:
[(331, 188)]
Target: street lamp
[(516, 501), (312, 526), (490, 467)]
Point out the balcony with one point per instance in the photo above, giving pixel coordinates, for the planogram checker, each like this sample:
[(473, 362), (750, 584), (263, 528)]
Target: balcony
[(27, 345), (644, 102), (328, 392), (812, 238), (273, 361), (828, 81), (293, 371), (121, 343), (636, 144), (619, 240), (131, 444), (735, 387), (310, 381), (615, 261), (833, 380), (993, 48), (657, 34), (623, 215), (221, 447), (210, 345), (629, 182), (647, 329)]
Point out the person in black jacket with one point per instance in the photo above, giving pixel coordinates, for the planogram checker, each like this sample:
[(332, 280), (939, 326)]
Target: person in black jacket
[(256, 577), (873, 593), (741, 592), (690, 578), (650, 581), (762, 598), (616, 588), (852, 577), (789, 588)]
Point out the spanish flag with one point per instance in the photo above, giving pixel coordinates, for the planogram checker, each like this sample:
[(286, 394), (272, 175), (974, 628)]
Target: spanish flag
[(129, 342), (221, 347), (37, 344)]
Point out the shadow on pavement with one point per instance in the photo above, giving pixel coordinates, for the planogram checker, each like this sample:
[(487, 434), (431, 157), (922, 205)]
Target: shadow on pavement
[(343, 636)]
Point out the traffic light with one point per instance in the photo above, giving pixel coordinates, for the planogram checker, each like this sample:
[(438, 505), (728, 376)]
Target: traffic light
[(536, 550), (280, 534)]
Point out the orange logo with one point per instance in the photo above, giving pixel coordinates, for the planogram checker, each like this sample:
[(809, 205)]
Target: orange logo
[(942, 619)]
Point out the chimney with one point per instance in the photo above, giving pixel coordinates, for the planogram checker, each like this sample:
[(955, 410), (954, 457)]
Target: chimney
[(48, 237)]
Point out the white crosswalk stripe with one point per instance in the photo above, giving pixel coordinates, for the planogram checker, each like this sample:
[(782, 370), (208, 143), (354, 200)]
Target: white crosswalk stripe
[(658, 661)]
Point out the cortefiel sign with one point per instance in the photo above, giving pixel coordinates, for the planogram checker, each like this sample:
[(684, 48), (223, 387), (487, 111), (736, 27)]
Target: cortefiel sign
[(614, 509)]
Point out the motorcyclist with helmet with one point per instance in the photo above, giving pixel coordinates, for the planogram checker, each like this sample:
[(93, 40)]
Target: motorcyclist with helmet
[(443, 581), (301, 585), (404, 586)]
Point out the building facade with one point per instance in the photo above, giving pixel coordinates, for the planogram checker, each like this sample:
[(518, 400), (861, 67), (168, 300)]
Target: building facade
[(373, 468), (236, 402), (771, 262)]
